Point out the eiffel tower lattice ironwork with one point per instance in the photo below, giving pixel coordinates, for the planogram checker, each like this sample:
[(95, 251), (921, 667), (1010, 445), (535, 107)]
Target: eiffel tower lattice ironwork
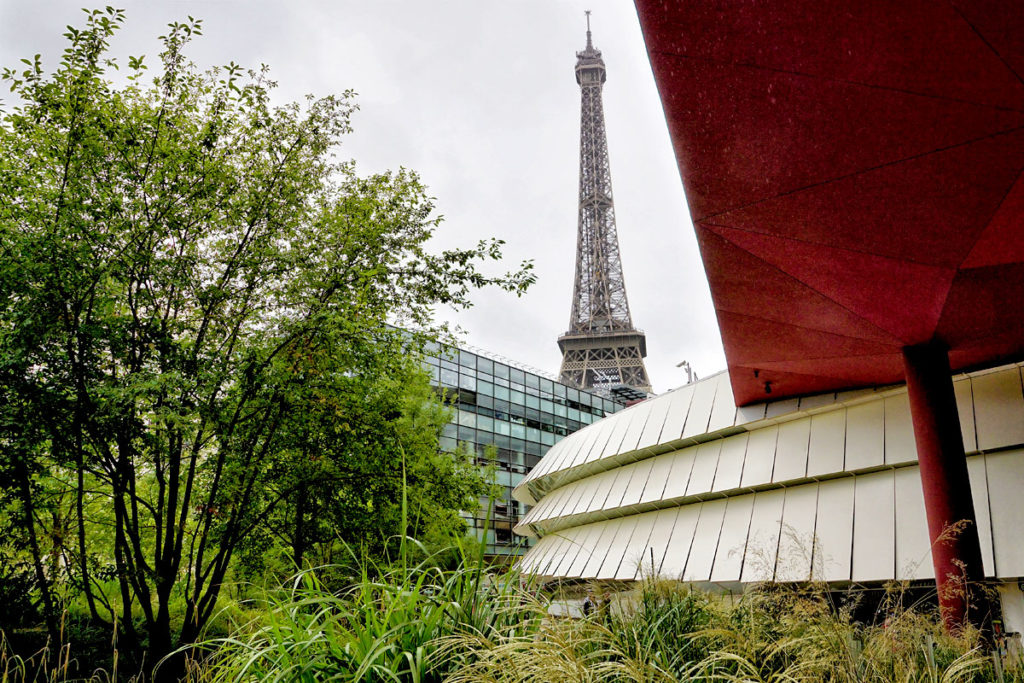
[(601, 350)]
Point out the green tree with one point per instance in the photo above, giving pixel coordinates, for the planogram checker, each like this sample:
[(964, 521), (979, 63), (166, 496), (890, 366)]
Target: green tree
[(195, 299)]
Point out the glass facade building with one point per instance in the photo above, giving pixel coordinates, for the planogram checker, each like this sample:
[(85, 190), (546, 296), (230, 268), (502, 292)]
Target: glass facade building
[(521, 414)]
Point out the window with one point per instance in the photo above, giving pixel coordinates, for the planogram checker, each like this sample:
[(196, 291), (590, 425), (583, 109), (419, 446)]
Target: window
[(501, 370), (485, 365)]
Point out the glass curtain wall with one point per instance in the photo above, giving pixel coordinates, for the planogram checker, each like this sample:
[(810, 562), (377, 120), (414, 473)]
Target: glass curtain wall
[(515, 415)]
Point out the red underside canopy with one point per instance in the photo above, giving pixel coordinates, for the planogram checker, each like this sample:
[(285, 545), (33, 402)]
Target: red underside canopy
[(854, 173)]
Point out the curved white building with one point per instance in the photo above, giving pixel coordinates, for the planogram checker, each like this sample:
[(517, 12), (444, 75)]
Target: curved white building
[(824, 487)]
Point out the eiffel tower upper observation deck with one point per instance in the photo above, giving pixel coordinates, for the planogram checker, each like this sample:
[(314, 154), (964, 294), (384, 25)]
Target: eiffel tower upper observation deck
[(601, 349)]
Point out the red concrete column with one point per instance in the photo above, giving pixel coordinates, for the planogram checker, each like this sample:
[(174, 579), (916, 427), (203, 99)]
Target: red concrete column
[(956, 551)]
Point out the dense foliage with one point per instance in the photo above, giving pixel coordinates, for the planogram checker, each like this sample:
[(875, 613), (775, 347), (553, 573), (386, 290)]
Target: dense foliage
[(198, 372)]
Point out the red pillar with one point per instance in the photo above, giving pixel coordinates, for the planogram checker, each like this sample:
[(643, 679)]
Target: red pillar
[(956, 551)]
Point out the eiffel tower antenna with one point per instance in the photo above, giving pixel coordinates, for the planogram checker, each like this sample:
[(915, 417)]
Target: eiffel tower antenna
[(601, 350)]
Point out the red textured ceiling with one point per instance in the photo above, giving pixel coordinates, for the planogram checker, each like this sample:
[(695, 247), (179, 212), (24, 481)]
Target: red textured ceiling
[(854, 173)]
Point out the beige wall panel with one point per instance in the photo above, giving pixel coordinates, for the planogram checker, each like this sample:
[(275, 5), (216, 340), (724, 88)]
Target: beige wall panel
[(827, 446), (569, 551), (588, 538), (623, 477), (652, 430), (723, 412), (899, 431), (679, 476), (551, 557), (833, 532), (638, 482), (705, 541), (678, 549), (733, 539), (874, 518), (700, 407), (611, 447), (965, 407), (664, 524), (1006, 502), (999, 409), (704, 465), (913, 545), (661, 466), (638, 550), (747, 414), (760, 458), (618, 548), (865, 435), (791, 450), (574, 496), (636, 427), (607, 481), (600, 441), (678, 409), (979, 493), (796, 540), (763, 538), (730, 463), (590, 487), (608, 529)]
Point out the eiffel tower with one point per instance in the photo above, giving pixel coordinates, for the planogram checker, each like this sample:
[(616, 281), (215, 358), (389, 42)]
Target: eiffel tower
[(601, 350)]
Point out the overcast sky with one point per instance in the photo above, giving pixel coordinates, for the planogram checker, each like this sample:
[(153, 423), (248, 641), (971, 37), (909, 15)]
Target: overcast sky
[(479, 97)]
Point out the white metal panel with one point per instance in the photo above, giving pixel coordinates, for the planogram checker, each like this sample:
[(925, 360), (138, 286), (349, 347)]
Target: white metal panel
[(553, 544), (604, 538), (730, 463), (705, 541), (678, 409), (833, 533), (566, 548), (979, 492), (527, 561), (656, 420), (723, 411), (763, 540), (664, 523), (678, 549), (573, 443), (865, 435), (636, 427), (617, 548), (1005, 487), (784, 407), (574, 498), (999, 409), (569, 552), (752, 413), (733, 539), (760, 458), (548, 459), (679, 477), (965, 408), (791, 450), (900, 446), (827, 444), (704, 465), (545, 509), (611, 447), (796, 541), (874, 520), (660, 468), (638, 482), (623, 476), (604, 488), (700, 407), (637, 559), (589, 534), (913, 544), (598, 431), (604, 441), (590, 487)]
